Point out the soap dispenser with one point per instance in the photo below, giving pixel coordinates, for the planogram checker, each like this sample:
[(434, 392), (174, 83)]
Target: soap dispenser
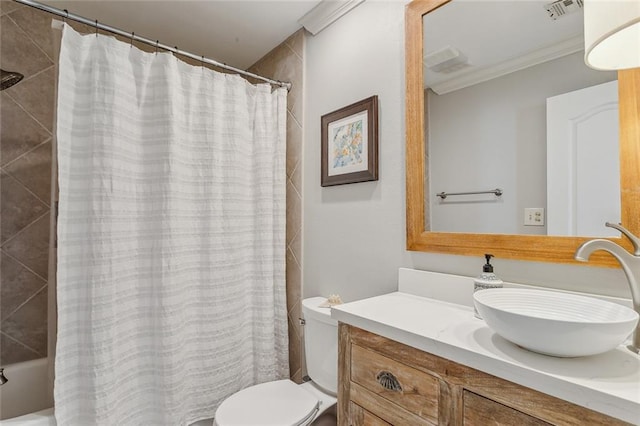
[(486, 280)]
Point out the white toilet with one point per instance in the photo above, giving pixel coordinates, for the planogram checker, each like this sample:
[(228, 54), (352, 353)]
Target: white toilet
[(283, 402)]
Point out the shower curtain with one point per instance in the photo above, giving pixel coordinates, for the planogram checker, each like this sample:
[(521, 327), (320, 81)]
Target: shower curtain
[(171, 288)]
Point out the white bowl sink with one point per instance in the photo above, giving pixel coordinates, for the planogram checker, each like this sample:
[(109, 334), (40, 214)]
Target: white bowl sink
[(554, 323)]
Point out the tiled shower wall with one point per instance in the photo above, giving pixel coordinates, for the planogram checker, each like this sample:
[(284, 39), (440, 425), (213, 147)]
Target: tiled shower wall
[(26, 126), (285, 63), (25, 179), (25, 159)]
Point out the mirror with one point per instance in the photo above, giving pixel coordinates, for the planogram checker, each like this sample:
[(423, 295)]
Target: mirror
[(507, 243), (500, 97)]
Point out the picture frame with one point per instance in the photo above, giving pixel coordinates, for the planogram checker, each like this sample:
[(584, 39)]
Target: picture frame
[(349, 144)]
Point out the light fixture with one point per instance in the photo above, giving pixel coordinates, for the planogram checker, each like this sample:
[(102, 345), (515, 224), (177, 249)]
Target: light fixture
[(612, 34)]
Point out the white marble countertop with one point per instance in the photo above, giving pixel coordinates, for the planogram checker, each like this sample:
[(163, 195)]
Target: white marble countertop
[(608, 383)]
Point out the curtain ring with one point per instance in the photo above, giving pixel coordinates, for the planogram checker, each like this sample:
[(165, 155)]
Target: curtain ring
[(202, 62), (96, 28), (157, 41), (132, 36), (64, 18)]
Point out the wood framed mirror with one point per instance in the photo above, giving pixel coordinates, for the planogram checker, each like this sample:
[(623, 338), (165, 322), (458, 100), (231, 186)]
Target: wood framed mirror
[(541, 248)]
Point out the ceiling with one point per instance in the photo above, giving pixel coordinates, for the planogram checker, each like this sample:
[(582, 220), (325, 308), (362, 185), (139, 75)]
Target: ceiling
[(497, 37), (237, 32)]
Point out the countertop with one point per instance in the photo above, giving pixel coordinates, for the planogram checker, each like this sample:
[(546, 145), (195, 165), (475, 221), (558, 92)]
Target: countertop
[(608, 383)]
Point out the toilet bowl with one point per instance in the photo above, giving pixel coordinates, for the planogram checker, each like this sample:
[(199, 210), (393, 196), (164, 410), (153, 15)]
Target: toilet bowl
[(283, 402)]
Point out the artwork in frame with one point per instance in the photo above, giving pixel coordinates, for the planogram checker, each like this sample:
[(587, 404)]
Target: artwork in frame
[(350, 144)]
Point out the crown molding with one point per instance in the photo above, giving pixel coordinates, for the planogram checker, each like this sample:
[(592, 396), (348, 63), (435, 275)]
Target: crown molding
[(479, 75), (326, 13)]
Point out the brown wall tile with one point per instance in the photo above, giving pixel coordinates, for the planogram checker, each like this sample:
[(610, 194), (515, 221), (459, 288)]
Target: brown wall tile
[(31, 246), (28, 325), (18, 206), (7, 6), (33, 170), (294, 350), (296, 178), (20, 132), (37, 25), (17, 51), (36, 96), (285, 62), (25, 133), (296, 247), (18, 285), (296, 42), (294, 284), (12, 351), (294, 212), (294, 144)]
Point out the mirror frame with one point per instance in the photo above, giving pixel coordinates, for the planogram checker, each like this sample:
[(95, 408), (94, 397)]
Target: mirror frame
[(557, 249)]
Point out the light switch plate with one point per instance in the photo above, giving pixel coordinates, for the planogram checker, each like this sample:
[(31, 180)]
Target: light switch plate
[(534, 216)]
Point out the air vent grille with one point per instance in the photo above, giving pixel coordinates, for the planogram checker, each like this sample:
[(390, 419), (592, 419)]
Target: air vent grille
[(446, 60), (560, 8)]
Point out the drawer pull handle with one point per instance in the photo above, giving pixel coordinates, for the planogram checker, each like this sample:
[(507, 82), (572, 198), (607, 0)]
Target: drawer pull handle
[(388, 381)]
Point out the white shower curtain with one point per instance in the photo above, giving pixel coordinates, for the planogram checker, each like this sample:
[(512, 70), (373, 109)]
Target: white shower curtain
[(171, 270)]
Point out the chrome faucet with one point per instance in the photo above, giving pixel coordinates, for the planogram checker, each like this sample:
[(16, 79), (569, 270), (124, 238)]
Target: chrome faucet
[(630, 264)]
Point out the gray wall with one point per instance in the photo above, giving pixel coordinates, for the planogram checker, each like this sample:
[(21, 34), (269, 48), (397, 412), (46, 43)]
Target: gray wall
[(354, 235), (493, 135)]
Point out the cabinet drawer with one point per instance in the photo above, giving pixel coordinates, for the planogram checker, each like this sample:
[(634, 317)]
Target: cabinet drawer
[(409, 388), (481, 411), (358, 416)]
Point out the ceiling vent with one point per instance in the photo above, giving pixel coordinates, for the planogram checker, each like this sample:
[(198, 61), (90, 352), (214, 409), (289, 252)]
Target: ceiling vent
[(560, 8), (446, 60)]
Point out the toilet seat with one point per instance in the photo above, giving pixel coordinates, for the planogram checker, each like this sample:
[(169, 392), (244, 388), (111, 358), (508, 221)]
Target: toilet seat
[(279, 403)]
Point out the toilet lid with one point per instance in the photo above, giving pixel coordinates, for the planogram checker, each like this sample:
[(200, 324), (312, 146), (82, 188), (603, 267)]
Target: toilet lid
[(279, 403)]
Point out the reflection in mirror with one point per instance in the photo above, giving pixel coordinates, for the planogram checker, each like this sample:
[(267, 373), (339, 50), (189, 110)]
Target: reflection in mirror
[(539, 248), (509, 104)]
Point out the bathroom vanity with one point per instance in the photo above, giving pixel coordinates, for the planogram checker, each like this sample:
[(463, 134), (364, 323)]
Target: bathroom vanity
[(385, 382), (419, 359)]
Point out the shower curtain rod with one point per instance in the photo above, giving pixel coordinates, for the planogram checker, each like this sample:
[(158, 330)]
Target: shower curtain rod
[(98, 26)]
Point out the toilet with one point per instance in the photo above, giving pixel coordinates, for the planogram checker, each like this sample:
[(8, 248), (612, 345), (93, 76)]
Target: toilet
[(283, 402)]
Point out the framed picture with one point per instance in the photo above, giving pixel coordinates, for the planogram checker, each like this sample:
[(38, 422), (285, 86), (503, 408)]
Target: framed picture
[(350, 144)]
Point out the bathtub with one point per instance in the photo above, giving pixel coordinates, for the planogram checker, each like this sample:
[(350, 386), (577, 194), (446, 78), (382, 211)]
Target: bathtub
[(39, 418), (25, 398)]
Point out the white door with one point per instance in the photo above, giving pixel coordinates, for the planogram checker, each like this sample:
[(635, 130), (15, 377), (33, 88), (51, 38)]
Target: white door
[(583, 166)]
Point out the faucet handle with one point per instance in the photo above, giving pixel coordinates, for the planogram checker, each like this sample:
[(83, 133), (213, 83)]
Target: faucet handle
[(634, 240)]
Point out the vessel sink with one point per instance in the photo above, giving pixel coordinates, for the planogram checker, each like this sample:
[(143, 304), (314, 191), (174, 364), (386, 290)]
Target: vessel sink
[(554, 323)]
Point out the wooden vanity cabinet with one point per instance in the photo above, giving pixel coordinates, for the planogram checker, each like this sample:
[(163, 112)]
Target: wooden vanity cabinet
[(383, 382)]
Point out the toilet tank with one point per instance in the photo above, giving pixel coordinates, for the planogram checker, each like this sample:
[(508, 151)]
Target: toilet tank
[(320, 344)]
